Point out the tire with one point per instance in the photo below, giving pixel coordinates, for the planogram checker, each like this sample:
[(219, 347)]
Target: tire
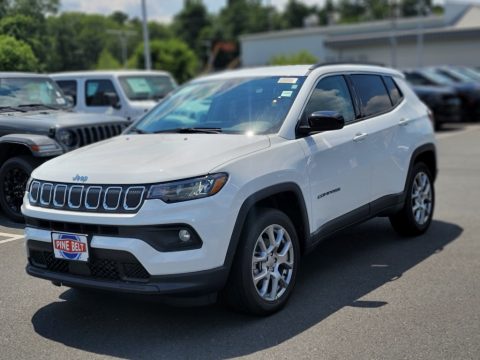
[(280, 263), (14, 175), (420, 195)]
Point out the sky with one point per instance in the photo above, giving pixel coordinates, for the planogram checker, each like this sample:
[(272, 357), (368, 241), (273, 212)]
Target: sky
[(160, 10)]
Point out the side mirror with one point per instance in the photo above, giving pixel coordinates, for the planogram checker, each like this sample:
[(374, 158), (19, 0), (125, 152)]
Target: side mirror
[(323, 121), (113, 100)]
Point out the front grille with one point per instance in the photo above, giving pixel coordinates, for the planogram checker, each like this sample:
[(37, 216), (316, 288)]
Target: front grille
[(95, 198), (90, 134), (98, 268)]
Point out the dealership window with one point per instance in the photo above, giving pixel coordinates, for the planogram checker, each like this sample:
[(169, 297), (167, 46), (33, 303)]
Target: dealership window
[(331, 94), (372, 93), (69, 87), (99, 92)]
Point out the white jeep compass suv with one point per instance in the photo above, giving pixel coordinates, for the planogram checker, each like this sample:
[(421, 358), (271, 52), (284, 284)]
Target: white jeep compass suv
[(226, 184)]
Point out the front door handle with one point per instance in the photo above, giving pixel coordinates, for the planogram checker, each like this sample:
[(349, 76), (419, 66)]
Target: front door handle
[(403, 121), (360, 137)]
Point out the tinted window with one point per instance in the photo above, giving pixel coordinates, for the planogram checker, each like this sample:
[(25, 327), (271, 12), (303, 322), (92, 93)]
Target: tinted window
[(332, 94), (99, 92), (69, 87), (395, 93), (416, 79), (372, 93)]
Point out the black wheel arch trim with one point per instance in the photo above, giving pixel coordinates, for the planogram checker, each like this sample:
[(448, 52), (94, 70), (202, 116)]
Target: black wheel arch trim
[(425, 148), (250, 203)]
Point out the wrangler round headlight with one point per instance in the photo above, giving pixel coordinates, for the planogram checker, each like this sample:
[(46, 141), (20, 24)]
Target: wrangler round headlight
[(67, 138), (188, 189)]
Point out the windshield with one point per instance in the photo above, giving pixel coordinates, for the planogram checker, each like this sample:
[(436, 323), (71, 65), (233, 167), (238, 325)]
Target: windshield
[(436, 77), (24, 92), (470, 73), (238, 105), (146, 87)]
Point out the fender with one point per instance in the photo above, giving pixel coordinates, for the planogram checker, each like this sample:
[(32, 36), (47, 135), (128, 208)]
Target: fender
[(39, 145), (250, 202)]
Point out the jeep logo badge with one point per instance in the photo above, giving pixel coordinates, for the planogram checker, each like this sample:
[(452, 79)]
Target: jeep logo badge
[(79, 178)]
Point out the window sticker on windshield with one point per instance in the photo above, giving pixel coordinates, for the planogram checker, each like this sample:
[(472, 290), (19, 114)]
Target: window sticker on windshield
[(286, 80), (286, 93), (61, 101), (294, 87), (139, 85)]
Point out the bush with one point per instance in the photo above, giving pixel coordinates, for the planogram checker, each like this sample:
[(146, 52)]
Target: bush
[(16, 55), (171, 55), (300, 58), (106, 61)]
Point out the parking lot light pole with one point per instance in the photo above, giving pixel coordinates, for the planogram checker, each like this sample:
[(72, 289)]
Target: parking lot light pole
[(146, 39)]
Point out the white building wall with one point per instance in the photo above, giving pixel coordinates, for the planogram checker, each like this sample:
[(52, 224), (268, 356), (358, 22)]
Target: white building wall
[(436, 52), (259, 52)]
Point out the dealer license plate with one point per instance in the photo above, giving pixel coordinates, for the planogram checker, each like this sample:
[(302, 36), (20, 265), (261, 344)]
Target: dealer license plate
[(70, 246)]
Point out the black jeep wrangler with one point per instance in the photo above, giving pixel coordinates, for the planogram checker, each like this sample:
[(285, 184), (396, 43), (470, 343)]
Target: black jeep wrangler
[(36, 124)]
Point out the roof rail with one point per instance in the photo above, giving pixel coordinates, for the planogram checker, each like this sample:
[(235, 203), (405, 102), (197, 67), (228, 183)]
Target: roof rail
[(315, 66)]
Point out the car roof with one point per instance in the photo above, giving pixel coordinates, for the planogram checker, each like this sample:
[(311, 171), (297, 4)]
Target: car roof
[(22, 75), (87, 73), (297, 70)]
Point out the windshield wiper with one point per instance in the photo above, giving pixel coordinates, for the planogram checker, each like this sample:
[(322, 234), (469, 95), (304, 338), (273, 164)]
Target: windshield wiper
[(191, 130), (49, 107), (10, 108)]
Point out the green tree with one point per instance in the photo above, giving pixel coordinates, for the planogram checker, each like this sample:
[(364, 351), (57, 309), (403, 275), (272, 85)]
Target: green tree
[(16, 55), (190, 21), (295, 12), (171, 55), (301, 58), (107, 61)]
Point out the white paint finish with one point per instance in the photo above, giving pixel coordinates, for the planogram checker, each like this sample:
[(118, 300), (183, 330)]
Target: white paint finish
[(316, 164)]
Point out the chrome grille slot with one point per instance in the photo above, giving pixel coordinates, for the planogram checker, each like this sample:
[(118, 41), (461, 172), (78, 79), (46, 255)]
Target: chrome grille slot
[(88, 198), (46, 194), (92, 197), (111, 200), (60, 195), (75, 196), (133, 197)]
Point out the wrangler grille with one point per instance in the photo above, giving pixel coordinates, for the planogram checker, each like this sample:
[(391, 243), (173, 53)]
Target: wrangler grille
[(97, 198), (91, 134)]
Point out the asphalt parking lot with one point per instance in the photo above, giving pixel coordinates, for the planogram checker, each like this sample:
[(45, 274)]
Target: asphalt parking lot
[(364, 294)]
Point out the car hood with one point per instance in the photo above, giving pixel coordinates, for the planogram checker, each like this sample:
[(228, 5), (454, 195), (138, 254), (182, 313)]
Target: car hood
[(45, 120), (134, 159)]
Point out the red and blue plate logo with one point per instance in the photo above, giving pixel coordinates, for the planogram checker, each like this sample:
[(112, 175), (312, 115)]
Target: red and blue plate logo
[(70, 246)]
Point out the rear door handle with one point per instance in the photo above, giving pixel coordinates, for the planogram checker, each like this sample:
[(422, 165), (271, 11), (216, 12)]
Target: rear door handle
[(360, 137), (404, 121)]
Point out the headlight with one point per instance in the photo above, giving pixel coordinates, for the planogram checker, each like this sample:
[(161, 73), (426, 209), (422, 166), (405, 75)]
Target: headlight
[(67, 138), (188, 189)]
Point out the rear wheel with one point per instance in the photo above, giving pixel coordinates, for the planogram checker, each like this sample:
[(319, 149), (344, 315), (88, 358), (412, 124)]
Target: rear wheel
[(264, 270), (416, 215), (14, 175)]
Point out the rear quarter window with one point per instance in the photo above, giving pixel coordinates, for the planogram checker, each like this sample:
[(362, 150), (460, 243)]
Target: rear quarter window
[(393, 90), (372, 93)]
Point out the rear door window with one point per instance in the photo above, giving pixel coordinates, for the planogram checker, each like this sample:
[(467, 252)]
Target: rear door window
[(372, 93)]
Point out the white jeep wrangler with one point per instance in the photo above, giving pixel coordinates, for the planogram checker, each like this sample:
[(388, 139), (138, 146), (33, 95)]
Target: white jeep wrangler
[(231, 179)]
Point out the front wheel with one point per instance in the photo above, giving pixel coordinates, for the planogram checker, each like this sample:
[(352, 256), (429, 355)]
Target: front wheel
[(264, 270), (416, 215), (14, 175)]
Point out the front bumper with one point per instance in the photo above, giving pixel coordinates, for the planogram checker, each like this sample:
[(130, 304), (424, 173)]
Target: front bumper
[(120, 272)]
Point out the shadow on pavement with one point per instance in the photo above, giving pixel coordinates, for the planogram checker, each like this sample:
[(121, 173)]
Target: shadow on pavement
[(337, 274), (10, 224)]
